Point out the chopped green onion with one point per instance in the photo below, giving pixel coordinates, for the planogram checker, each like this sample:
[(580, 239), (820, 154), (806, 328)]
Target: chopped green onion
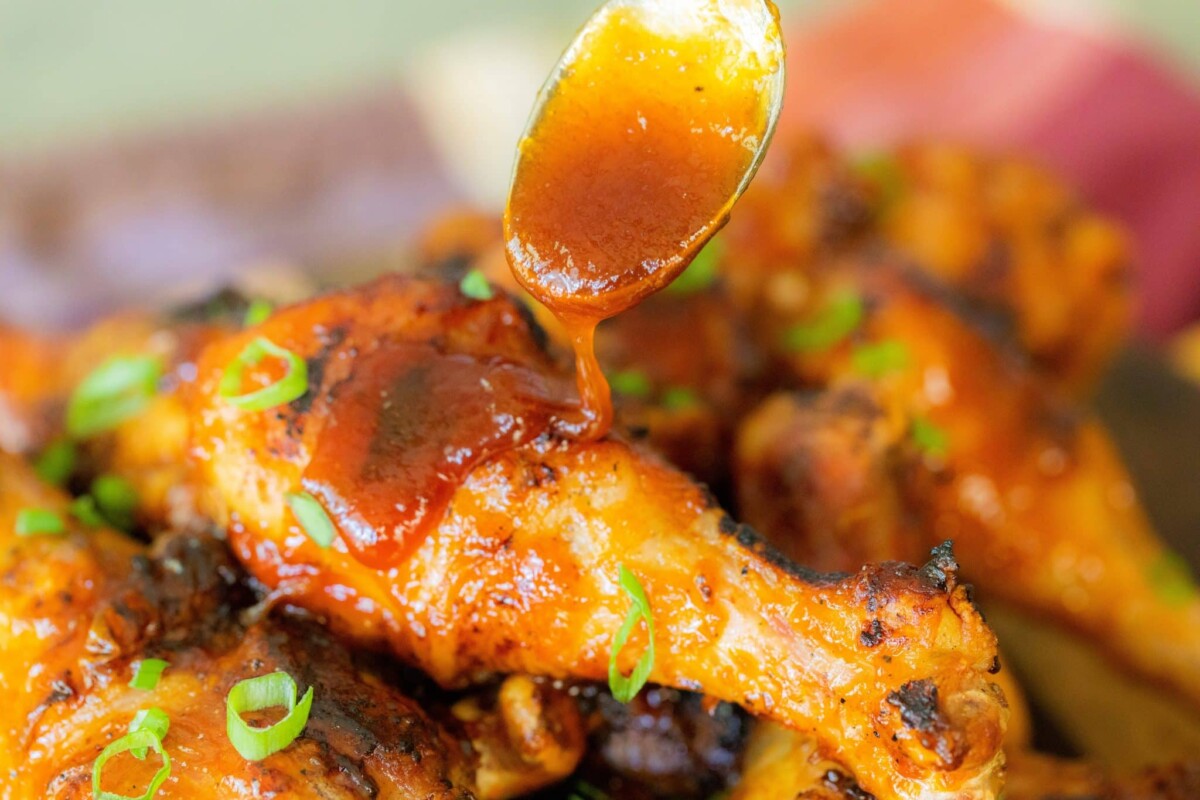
[(291, 386), (1172, 579), (677, 398), (632, 383), (39, 522), (134, 740), (840, 317), (151, 719), (625, 688), (57, 462), (885, 173), (115, 391), (877, 360), (312, 517), (116, 500), (255, 694), (701, 273), (475, 286), (148, 673), (929, 438), (257, 313), (84, 509)]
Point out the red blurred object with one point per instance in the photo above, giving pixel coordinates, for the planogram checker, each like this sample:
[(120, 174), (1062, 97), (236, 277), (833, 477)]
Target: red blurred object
[(1123, 128)]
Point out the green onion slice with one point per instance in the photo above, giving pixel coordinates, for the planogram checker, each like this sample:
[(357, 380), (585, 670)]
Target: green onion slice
[(134, 740), (475, 286), (1172, 579), (147, 674), (929, 438), (57, 462), (255, 694), (115, 391), (291, 386), (678, 398), (840, 317), (701, 273), (631, 383), (39, 522), (116, 499), (882, 358), (151, 719), (84, 509), (257, 313), (625, 688), (312, 517)]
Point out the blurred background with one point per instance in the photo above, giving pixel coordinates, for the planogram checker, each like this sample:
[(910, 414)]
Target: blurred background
[(150, 150), (142, 142)]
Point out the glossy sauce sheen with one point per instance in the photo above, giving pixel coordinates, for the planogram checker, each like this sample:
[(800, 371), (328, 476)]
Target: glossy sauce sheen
[(406, 428), (631, 166)]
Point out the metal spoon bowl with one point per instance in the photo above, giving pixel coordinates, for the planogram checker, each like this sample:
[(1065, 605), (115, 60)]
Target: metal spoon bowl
[(570, 224)]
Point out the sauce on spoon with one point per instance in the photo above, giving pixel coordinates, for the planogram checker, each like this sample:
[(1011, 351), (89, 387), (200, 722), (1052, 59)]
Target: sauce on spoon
[(649, 129)]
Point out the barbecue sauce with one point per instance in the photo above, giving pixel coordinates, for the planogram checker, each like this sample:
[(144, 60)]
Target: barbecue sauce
[(632, 165), (405, 430)]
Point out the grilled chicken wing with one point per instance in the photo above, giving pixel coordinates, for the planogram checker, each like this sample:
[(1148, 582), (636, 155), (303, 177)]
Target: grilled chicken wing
[(1002, 234), (519, 572), (1029, 487), (82, 609), (785, 765)]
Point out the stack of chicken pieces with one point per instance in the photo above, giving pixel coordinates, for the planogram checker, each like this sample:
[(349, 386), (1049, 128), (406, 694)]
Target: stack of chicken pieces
[(874, 359)]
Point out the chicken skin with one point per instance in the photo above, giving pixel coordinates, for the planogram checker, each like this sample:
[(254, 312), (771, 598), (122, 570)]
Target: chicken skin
[(517, 573), (83, 608), (781, 764), (1019, 249), (1031, 490)]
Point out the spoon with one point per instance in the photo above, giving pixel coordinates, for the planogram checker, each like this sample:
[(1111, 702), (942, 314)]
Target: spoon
[(645, 134)]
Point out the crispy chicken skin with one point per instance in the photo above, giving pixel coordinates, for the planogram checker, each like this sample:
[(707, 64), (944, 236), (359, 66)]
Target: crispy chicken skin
[(785, 765), (81, 610), (1030, 488), (824, 476), (520, 573)]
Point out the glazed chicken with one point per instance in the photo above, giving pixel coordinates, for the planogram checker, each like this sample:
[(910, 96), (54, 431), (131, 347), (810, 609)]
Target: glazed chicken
[(518, 571), (785, 765), (874, 683), (1031, 490), (82, 609), (934, 256), (1001, 292), (1023, 254)]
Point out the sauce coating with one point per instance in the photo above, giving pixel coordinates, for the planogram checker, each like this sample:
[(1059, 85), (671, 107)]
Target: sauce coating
[(651, 129), (406, 428)]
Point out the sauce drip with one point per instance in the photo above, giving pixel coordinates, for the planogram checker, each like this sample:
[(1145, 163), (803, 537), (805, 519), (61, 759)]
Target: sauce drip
[(645, 138), (405, 430)]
